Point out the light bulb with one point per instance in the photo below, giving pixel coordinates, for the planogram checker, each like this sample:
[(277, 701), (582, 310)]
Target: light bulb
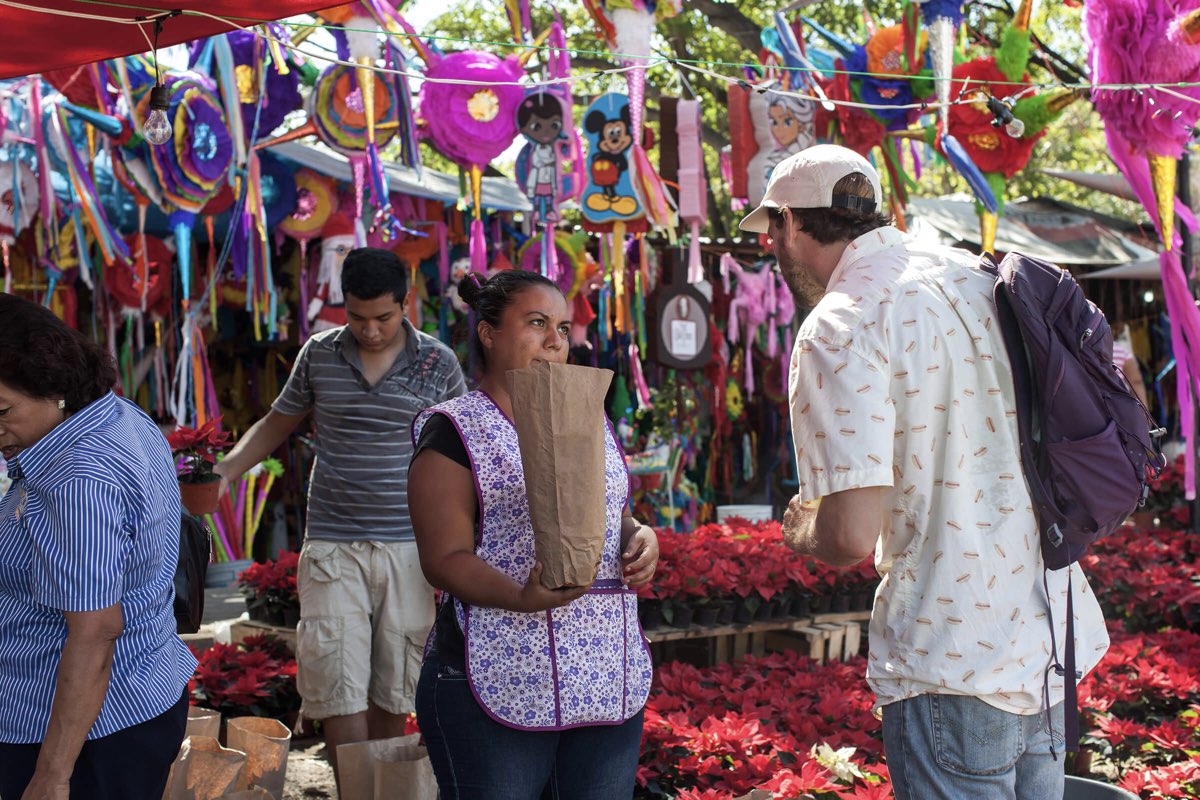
[(158, 129), (1148, 296), (1015, 128)]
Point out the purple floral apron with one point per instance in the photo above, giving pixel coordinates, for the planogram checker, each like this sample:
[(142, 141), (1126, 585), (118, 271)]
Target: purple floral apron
[(583, 664)]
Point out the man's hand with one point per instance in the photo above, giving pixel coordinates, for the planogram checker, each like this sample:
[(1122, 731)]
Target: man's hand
[(640, 558), (799, 524), (840, 529)]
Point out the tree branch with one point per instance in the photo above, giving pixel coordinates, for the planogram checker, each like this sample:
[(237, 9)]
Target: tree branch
[(728, 18)]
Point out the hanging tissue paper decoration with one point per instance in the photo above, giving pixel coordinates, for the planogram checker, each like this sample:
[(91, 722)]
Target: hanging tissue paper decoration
[(761, 299), (544, 119), (693, 188), (144, 284), (193, 167), (266, 83), (472, 122), (627, 27), (327, 308), (942, 18), (610, 194), (1155, 42), (1001, 152), (570, 255), (18, 205)]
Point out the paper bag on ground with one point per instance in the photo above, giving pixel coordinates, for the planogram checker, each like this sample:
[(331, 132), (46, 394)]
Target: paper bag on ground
[(406, 774), (265, 743), (356, 765), (203, 722), (558, 411), (204, 770)]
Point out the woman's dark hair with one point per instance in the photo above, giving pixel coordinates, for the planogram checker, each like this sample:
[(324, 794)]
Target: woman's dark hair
[(489, 298), (829, 225), (369, 272), (42, 357)]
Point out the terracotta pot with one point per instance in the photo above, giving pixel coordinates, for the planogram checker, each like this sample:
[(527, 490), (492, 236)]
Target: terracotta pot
[(200, 498)]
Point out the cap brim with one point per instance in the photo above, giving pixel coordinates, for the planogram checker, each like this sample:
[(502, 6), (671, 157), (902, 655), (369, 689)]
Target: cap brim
[(757, 221)]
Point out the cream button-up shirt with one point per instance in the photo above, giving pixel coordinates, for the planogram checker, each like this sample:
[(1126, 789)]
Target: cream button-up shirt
[(899, 378)]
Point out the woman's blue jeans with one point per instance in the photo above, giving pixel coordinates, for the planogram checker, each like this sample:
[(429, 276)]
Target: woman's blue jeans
[(952, 747), (477, 758)]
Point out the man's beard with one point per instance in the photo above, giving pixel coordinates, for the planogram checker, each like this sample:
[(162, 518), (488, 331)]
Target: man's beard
[(806, 289)]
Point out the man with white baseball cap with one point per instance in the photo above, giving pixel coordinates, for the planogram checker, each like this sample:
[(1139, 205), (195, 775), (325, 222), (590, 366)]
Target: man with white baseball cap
[(903, 417)]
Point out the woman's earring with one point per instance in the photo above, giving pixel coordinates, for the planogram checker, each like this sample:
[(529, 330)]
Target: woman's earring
[(62, 404)]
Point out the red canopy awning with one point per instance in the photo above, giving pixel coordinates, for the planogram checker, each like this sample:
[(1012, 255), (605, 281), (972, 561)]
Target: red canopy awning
[(37, 41)]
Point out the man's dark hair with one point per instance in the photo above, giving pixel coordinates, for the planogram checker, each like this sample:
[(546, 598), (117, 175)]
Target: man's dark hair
[(829, 225), (43, 357), (370, 272), (488, 298)]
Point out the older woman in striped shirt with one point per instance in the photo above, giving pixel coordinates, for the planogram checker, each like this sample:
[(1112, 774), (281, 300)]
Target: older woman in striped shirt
[(93, 677)]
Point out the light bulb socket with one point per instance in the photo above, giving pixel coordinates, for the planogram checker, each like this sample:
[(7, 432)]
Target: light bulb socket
[(160, 98)]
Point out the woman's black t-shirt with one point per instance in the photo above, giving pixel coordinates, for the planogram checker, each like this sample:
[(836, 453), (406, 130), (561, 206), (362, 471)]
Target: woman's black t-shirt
[(441, 436)]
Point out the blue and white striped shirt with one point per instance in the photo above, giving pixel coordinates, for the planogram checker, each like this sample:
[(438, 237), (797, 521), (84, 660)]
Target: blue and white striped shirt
[(91, 519)]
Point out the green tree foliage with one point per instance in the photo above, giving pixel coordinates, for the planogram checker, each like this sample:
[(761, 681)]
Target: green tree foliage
[(722, 36)]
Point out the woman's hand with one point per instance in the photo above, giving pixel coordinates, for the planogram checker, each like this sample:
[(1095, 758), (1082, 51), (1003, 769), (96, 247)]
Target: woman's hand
[(640, 558), (534, 597), (42, 787)]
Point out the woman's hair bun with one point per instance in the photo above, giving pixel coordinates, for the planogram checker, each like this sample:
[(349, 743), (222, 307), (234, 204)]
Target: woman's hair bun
[(470, 287)]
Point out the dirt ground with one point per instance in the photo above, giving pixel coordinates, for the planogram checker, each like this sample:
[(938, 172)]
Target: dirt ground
[(309, 776)]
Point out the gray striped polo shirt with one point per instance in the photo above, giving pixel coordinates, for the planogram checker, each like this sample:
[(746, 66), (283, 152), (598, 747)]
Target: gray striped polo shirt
[(359, 483)]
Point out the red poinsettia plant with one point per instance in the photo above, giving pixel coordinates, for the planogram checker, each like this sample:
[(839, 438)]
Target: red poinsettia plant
[(272, 584), (256, 677), (196, 450)]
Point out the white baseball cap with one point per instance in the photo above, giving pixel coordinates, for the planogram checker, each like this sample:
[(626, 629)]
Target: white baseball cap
[(806, 180)]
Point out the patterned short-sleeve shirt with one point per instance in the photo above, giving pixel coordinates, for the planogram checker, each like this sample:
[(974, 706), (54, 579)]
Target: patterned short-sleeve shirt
[(899, 379)]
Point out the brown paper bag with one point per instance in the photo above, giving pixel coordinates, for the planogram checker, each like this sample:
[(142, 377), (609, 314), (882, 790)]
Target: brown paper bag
[(265, 742), (203, 722), (356, 765), (200, 722), (558, 410), (204, 770), (405, 774)]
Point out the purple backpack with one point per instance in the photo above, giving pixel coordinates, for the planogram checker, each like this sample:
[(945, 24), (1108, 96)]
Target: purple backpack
[(1088, 445)]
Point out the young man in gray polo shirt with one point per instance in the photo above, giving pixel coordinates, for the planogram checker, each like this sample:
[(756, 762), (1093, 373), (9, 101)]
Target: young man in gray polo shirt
[(365, 605)]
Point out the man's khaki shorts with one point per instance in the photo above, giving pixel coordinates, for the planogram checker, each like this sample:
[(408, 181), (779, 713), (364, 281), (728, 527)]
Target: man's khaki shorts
[(365, 612)]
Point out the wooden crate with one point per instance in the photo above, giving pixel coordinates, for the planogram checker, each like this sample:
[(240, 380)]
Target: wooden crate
[(821, 641), (728, 642), (243, 628)]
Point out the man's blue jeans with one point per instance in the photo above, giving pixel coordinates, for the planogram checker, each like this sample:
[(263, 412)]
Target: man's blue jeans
[(477, 758), (953, 747)]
